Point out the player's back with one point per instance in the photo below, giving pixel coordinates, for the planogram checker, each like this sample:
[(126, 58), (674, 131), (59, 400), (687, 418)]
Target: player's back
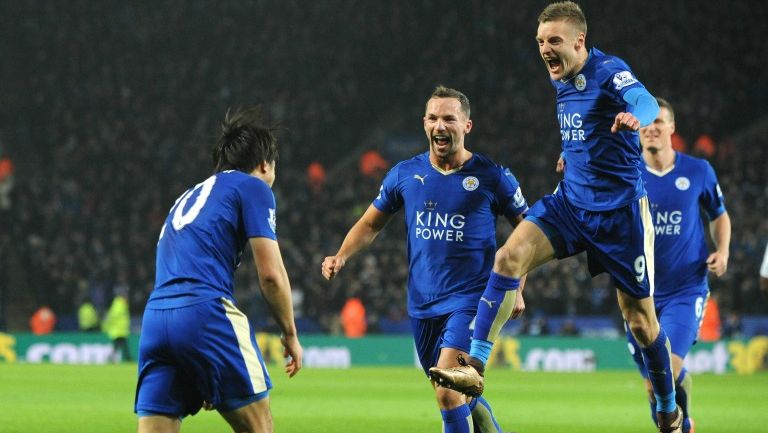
[(203, 237), (602, 168)]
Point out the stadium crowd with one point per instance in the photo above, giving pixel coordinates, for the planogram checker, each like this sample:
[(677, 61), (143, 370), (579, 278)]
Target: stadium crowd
[(109, 113)]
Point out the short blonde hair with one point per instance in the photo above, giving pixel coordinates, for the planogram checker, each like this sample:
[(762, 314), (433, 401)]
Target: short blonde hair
[(565, 10)]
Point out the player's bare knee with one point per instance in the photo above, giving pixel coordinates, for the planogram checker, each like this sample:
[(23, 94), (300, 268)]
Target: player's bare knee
[(510, 259), (448, 398)]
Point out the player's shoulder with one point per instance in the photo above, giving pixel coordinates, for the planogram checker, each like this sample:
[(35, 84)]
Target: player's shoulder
[(604, 61), (411, 165), (692, 163), (237, 180), (611, 69)]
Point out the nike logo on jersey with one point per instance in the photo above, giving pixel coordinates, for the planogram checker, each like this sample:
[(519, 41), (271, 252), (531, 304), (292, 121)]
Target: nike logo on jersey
[(490, 303), (420, 178)]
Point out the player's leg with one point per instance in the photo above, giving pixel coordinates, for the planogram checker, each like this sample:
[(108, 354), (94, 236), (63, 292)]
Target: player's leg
[(455, 342), (655, 348), (680, 319), (527, 248), (456, 413), (637, 356), (255, 417), (535, 241), (428, 337), (159, 424)]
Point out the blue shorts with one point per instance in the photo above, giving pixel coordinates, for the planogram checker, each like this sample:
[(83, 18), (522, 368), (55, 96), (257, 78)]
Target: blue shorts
[(451, 330), (680, 316), (202, 352), (618, 241)]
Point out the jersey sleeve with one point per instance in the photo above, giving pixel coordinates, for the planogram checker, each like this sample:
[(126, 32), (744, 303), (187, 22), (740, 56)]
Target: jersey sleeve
[(509, 195), (389, 199), (616, 78), (258, 207), (711, 198)]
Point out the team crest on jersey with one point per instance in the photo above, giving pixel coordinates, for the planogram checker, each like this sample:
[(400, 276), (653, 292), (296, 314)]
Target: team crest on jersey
[(470, 183), (580, 82), (430, 205), (623, 79), (682, 183), (272, 220)]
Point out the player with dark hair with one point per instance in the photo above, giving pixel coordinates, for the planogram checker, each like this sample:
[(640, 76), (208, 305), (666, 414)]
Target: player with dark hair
[(600, 206), (678, 186), (196, 348), (451, 198)]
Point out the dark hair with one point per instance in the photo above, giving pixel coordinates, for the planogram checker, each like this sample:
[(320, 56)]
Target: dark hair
[(663, 103), (447, 92), (244, 142), (565, 10)]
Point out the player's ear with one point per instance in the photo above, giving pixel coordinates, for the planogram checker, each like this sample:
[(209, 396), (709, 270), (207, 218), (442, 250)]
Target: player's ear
[(468, 126), (672, 127)]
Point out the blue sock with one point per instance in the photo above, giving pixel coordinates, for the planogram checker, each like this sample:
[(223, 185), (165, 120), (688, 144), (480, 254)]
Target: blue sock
[(658, 364), (682, 387), (493, 310), (482, 416), (457, 420)]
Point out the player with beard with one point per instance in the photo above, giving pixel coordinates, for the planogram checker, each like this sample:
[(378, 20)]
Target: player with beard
[(451, 198)]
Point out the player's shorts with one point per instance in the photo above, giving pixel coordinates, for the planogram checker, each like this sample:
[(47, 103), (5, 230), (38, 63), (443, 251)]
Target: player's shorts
[(680, 316), (618, 241), (202, 352), (451, 330)]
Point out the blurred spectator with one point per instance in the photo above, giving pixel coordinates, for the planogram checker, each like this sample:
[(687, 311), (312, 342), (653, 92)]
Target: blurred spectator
[(711, 325), (43, 321), (6, 181), (316, 176), (353, 318), (732, 326), (569, 328), (372, 164), (88, 317), (538, 327), (678, 143), (117, 326), (704, 146)]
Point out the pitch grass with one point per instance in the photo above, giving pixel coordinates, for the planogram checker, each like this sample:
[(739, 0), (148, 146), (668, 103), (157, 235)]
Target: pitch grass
[(90, 399)]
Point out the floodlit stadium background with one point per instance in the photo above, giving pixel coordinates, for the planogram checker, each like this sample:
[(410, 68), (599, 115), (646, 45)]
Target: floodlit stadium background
[(108, 109)]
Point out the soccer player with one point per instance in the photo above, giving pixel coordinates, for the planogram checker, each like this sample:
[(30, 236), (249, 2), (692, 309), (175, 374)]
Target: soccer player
[(196, 348), (678, 185), (600, 206), (451, 198)]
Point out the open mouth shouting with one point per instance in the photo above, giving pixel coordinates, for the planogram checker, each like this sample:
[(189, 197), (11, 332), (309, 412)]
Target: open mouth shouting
[(442, 141), (554, 66)]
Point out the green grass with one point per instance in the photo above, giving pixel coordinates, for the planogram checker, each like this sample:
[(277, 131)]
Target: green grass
[(90, 399)]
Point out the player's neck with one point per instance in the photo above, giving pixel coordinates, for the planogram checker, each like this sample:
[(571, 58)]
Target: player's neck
[(661, 160), (452, 163)]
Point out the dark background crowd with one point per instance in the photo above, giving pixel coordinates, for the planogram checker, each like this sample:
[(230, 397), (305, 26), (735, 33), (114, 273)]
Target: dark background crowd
[(109, 110)]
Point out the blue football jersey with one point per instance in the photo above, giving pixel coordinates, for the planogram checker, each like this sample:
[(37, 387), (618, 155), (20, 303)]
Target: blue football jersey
[(203, 237), (602, 168), (450, 220), (676, 199)]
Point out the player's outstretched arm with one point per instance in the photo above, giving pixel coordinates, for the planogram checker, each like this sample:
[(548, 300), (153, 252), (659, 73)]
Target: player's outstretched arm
[(720, 230), (359, 236), (276, 289)]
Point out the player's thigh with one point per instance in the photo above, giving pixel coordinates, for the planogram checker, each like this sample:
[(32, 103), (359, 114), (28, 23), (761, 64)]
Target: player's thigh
[(159, 424), (526, 248), (255, 417)]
